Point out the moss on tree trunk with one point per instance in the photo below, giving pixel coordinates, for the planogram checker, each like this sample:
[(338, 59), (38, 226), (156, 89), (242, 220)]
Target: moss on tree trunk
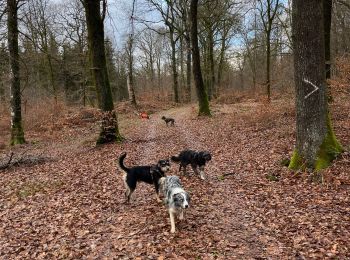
[(328, 151), (204, 109), (109, 133), (17, 134)]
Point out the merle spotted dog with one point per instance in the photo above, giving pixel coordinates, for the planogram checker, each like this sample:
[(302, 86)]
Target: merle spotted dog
[(169, 120), (195, 159), (175, 198), (148, 174)]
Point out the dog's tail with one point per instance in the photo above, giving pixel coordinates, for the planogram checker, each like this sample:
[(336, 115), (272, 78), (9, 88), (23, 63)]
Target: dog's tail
[(175, 159), (121, 162)]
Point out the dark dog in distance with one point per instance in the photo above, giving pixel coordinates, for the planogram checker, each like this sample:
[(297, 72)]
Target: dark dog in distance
[(148, 174), (195, 159), (169, 120)]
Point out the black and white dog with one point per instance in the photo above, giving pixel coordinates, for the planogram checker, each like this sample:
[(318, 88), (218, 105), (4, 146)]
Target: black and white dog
[(169, 120), (175, 198), (196, 159), (148, 174)]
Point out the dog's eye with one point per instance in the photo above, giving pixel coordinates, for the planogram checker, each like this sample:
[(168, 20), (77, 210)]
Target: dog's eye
[(178, 198)]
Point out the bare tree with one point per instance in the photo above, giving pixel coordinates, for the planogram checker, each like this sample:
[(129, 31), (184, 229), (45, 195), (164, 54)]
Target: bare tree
[(170, 17), (17, 134), (95, 19), (268, 10), (74, 27), (147, 45), (40, 21), (185, 32), (197, 72), (130, 53)]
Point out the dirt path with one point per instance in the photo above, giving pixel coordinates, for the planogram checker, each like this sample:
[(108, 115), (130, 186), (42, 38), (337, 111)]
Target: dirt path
[(230, 221)]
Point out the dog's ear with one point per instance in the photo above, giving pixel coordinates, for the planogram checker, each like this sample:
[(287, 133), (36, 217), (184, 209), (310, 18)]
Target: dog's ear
[(188, 198), (207, 155), (161, 182), (177, 197)]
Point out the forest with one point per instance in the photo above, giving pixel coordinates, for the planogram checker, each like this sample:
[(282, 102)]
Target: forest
[(174, 129)]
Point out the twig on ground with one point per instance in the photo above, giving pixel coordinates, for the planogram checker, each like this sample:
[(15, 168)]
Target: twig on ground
[(6, 165)]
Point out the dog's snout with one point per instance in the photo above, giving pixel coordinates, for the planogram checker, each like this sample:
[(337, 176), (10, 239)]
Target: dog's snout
[(186, 206)]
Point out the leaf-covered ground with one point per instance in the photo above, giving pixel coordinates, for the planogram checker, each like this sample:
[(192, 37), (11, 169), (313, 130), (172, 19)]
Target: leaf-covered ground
[(250, 207)]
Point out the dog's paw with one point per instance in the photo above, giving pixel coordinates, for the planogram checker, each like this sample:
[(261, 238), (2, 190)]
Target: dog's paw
[(172, 231)]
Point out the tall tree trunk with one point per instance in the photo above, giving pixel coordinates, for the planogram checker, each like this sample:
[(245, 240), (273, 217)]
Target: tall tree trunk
[(327, 6), (268, 63), (268, 15), (67, 91), (82, 63), (94, 19), (159, 73), (51, 77), (255, 47), (211, 64), (17, 134), (174, 65), (2, 94), (187, 31), (182, 65), (130, 86), (151, 61), (130, 78), (316, 144), (197, 73), (221, 57), (205, 69), (188, 68)]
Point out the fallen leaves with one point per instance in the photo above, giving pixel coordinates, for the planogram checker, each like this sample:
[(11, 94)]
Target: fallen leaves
[(73, 206)]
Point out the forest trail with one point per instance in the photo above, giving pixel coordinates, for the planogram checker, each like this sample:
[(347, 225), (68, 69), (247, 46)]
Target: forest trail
[(73, 207)]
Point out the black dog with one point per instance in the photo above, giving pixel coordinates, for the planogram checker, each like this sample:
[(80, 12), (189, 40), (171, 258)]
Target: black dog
[(169, 120), (196, 159), (147, 174)]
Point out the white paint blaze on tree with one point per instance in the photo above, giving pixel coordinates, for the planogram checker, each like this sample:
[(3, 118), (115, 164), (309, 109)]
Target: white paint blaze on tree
[(316, 143)]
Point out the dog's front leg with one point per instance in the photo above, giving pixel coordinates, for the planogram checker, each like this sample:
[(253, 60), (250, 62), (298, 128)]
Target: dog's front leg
[(181, 215), (201, 172), (194, 168), (156, 186), (158, 198), (184, 169), (172, 221)]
